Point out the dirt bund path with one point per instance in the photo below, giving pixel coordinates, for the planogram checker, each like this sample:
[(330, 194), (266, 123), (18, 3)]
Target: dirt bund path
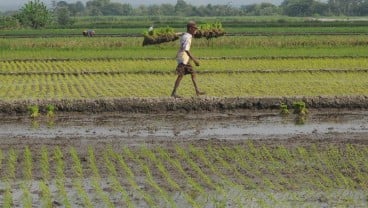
[(145, 105)]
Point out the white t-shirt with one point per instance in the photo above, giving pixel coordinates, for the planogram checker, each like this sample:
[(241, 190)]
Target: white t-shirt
[(185, 42)]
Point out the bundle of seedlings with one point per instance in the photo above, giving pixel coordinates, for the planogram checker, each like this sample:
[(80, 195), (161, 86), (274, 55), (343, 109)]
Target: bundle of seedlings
[(209, 31), (159, 35)]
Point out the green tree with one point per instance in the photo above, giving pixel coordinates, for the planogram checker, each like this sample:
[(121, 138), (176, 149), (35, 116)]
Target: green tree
[(167, 9), (182, 8), (34, 14), (63, 16), (348, 7), (297, 7), (8, 22)]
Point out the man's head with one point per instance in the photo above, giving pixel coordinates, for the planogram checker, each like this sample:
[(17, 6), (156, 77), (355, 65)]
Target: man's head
[(191, 27)]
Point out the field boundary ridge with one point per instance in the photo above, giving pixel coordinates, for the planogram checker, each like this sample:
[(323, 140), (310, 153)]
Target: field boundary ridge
[(168, 104)]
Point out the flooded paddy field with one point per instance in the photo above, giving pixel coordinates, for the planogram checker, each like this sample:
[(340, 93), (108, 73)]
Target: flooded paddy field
[(227, 125), (236, 158)]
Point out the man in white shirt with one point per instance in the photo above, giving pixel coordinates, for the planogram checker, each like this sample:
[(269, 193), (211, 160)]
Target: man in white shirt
[(184, 57)]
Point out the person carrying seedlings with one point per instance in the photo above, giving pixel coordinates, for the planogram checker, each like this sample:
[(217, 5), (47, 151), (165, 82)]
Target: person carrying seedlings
[(184, 57)]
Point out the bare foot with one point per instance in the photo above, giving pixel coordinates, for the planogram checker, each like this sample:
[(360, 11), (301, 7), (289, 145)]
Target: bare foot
[(200, 93), (175, 96)]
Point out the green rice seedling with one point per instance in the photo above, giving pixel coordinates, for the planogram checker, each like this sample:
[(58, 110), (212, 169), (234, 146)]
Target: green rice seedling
[(60, 165), (255, 157), (210, 31), (301, 111), (78, 180), (7, 196), (149, 178), (96, 179), (77, 183), (46, 196), (303, 156), (174, 185), (315, 158), (185, 157), (45, 164), (114, 180), (77, 167), (27, 166), (198, 189), (235, 155), (355, 161), (149, 154), (338, 163), (26, 196), (50, 110), (60, 177), (92, 162), (96, 185), (156, 85), (131, 177), (159, 35), (300, 108), (34, 111), (284, 109), (12, 163), (199, 153), (273, 166)]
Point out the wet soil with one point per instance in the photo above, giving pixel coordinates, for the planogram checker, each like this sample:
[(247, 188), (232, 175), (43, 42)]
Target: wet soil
[(225, 129), (80, 129), (197, 104)]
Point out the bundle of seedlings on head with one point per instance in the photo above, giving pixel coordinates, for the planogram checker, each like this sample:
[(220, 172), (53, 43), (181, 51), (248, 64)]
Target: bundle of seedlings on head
[(159, 35), (209, 31)]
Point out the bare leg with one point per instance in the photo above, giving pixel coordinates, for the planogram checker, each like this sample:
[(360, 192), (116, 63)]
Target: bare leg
[(198, 92), (177, 83)]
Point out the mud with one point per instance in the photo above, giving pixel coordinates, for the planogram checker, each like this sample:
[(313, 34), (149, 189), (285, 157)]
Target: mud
[(230, 128), (159, 105), (135, 128)]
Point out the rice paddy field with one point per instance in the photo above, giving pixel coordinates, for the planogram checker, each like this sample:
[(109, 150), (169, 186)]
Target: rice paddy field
[(125, 157)]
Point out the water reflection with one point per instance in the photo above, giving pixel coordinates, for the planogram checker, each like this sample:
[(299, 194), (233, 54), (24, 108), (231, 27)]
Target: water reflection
[(195, 125)]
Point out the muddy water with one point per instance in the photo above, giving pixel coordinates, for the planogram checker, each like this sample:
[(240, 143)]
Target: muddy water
[(225, 125)]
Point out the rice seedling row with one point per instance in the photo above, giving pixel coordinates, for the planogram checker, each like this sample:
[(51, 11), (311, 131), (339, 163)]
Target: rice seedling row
[(168, 66), (257, 46), (233, 42), (32, 87), (143, 176)]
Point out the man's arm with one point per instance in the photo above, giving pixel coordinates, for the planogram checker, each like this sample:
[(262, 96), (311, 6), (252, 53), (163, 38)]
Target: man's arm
[(196, 62)]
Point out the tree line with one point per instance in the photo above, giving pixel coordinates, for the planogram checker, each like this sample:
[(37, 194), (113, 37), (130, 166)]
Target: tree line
[(182, 8), (35, 14)]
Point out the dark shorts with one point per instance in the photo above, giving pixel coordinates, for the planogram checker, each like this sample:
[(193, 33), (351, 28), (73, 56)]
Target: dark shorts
[(184, 69)]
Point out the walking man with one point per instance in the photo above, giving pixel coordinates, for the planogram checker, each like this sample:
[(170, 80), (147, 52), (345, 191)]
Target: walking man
[(184, 57)]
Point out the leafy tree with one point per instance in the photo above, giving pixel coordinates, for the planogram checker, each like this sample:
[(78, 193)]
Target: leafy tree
[(348, 7), (9, 22), (182, 8), (297, 7), (34, 14), (95, 7), (264, 9), (167, 9), (63, 16), (112, 9), (319, 8)]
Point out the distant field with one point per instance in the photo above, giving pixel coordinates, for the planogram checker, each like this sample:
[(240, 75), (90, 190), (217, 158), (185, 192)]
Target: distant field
[(242, 25), (231, 66), (131, 47)]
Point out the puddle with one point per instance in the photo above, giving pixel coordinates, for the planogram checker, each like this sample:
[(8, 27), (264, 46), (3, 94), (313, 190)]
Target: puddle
[(225, 125)]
